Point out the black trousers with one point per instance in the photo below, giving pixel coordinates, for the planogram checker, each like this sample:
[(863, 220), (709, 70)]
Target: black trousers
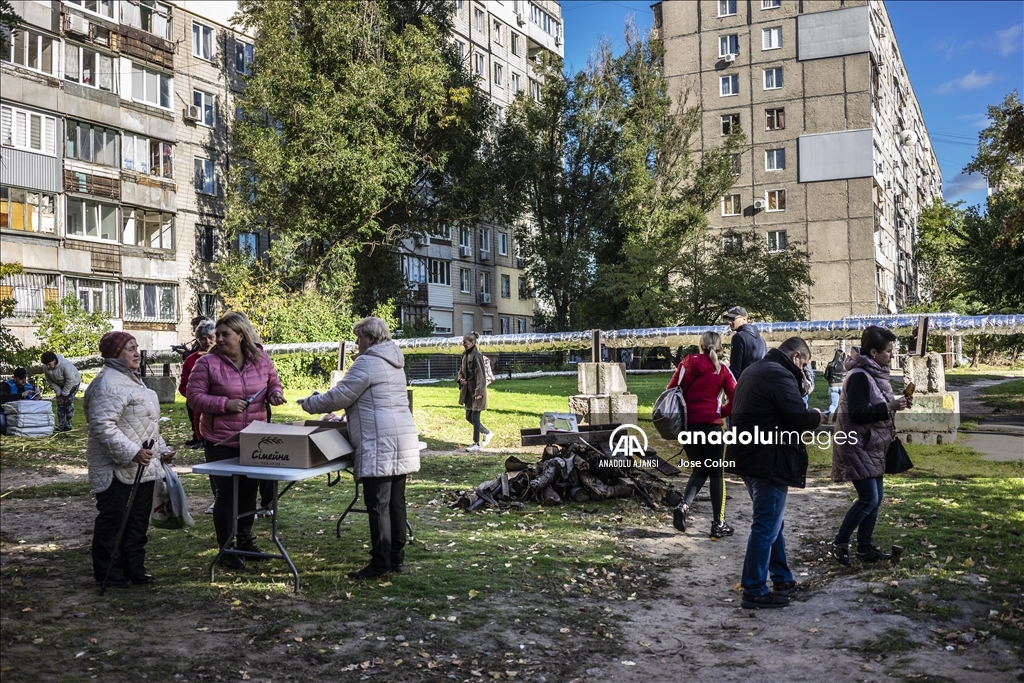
[(473, 418), (112, 504), (223, 507), (701, 457), (385, 503)]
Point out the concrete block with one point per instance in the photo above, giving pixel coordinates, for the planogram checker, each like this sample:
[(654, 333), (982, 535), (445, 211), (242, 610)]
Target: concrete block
[(927, 438), (336, 377), (165, 387), (590, 407), (601, 378), (938, 413), (926, 372)]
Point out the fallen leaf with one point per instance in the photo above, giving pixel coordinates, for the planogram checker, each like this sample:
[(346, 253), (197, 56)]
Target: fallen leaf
[(297, 639), (473, 593)]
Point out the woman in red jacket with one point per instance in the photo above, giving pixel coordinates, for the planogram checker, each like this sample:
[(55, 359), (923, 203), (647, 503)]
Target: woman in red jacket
[(221, 390), (205, 339), (704, 379)]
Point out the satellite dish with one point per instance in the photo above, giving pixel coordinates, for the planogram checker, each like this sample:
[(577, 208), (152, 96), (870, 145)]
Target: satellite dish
[(908, 138)]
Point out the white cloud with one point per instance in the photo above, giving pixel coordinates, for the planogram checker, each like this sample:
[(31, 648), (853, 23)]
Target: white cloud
[(971, 81), (1009, 41), (963, 184)]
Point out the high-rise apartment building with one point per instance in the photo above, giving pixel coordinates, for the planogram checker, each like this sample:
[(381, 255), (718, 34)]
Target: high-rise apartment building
[(470, 277), (837, 155)]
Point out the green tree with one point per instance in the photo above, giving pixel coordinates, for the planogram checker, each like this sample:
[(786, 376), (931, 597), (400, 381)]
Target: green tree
[(358, 127), (67, 328), (12, 352), (9, 20)]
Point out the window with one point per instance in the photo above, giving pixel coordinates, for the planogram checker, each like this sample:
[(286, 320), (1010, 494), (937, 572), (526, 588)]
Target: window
[(545, 21), (152, 17), (143, 155), (30, 291), (774, 119), (243, 57), (459, 6), (30, 49), (478, 64), (206, 305), (461, 47), (488, 325), (206, 243), (525, 291), (535, 90), (485, 283), (504, 324), (726, 8), (27, 210), (478, 20), (728, 45), (730, 124), (414, 269), (776, 200), (730, 85), (151, 229), (441, 232), (732, 243), (516, 49), (775, 160), (465, 280), (150, 302), (731, 205), (89, 67), (202, 41), (485, 241), (206, 181), (465, 241), (771, 4), (496, 33), (499, 75), (96, 296), (207, 104), (27, 130), (95, 144), (102, 7), (506, 287), (151, 87), (736, 165), (87, 218), (773, 78), (771, 38), (777, 241), (249, 245), (517, 86), (521, 325), (440, 272), (503, 244)]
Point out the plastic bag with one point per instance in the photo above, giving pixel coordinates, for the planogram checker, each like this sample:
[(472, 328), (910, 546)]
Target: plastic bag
[(170, 505)]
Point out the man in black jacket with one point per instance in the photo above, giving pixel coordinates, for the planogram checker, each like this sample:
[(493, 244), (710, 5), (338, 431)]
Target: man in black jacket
[(769, 417), (747, 345)]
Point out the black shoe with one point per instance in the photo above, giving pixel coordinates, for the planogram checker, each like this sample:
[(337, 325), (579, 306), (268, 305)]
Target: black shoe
[(200, 445), (873, 555), (192, 443), (766, 601), (249, 546), (366, 572), (142, 579), (718, 530), (122, 582), (787, 588), (398, 568), (679, 516), (232, 562), (841, 551)]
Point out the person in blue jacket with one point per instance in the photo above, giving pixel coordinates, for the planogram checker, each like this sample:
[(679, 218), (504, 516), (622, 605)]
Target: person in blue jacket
[(17, 388)]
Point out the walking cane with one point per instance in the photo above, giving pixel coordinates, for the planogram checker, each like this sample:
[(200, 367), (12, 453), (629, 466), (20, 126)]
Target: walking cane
[(116, 554)]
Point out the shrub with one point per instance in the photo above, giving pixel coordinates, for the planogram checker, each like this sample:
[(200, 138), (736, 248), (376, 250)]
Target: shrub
[(67, 328)]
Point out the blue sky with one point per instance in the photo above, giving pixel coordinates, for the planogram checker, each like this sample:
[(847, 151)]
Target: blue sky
[(961, 56)]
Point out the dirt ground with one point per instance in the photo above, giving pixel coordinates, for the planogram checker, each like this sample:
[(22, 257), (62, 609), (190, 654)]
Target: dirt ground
[(691, 629)]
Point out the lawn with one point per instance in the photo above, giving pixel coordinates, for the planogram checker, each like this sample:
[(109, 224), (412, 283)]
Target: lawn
[(1007, 396)]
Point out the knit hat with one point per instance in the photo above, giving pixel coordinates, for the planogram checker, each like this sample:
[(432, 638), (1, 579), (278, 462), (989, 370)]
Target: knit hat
[(113, 343)]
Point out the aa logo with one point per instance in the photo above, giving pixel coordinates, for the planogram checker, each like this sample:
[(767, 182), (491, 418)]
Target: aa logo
[(628, 440)]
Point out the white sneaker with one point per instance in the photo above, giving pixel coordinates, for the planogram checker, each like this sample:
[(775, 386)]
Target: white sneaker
[(475, 448), (209, 510), (487, 439)]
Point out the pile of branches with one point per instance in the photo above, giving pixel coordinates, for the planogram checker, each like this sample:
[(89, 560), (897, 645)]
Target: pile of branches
[(576, 472)]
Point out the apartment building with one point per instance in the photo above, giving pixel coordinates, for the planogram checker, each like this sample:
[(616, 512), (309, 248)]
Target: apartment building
[(470, 277), (113, 143), (837, 157)]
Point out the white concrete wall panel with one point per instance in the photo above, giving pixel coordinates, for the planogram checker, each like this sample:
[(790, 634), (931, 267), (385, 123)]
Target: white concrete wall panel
[(835, 156), (833, 34)]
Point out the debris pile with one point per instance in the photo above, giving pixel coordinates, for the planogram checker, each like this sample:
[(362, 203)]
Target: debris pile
[(577, 472)]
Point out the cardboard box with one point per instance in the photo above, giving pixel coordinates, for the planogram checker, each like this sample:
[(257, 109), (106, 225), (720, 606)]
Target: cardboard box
[(279, 445)]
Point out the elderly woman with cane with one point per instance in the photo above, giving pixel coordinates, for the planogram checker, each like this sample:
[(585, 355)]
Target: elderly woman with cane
[(384, 435), (123, 417)]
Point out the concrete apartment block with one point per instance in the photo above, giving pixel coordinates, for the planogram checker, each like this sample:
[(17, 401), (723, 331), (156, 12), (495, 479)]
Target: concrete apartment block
[(837, 155), (469, 277)]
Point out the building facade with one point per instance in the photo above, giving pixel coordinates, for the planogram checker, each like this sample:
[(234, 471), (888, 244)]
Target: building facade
[(113, 143), (470, 277), (837, 156)]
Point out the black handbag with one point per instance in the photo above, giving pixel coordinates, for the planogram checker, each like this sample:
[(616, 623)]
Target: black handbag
[(896, 458)]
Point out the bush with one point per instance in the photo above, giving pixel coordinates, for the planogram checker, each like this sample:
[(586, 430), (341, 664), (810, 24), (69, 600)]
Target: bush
[(305, 371), (67, 328)]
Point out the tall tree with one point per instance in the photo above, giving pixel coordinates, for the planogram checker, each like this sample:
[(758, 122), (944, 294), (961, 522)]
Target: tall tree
[(10, 21), (358, 127)]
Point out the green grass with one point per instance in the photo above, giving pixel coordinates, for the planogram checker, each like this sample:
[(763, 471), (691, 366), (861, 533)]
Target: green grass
[(1008, 396), (893, 640)]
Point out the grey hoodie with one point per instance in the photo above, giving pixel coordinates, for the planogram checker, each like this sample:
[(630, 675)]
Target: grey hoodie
[(380, 423), (64, 377)]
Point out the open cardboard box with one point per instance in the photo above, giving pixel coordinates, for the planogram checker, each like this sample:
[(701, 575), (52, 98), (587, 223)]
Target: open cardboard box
[(300, 446)]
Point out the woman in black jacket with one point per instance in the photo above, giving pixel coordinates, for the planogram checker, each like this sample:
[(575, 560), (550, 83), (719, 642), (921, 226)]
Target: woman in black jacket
[(473, 390)]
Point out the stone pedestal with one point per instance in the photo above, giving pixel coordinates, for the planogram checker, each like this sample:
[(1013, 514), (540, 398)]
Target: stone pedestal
[(336, 377), (935, 417), (603, 396), (601, 378), (165, 387)]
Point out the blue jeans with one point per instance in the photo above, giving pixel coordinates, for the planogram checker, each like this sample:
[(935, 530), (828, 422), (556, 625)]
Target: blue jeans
[(766, 546), (863, 515), (833, 399)]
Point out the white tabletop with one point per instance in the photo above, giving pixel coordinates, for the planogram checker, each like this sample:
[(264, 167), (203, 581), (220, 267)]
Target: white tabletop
[(226, 468)]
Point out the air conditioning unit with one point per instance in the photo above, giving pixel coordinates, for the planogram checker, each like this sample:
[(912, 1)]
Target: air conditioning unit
[(729, 59), (414, 286), (519, 19), (76, 24), (758, 204), (485, 298), (485, 254), (191, 113), (558, 40), (465, 251)]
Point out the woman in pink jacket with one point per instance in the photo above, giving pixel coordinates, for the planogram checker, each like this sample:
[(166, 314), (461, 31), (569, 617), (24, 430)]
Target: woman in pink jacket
[(221, 390)]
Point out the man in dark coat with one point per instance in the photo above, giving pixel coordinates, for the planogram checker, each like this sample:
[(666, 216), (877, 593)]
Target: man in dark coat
[(747, 346), (769, 417)]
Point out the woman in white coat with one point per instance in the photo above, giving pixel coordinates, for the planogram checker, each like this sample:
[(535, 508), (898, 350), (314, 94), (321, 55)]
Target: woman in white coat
[(122, 415), (384, 435)]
